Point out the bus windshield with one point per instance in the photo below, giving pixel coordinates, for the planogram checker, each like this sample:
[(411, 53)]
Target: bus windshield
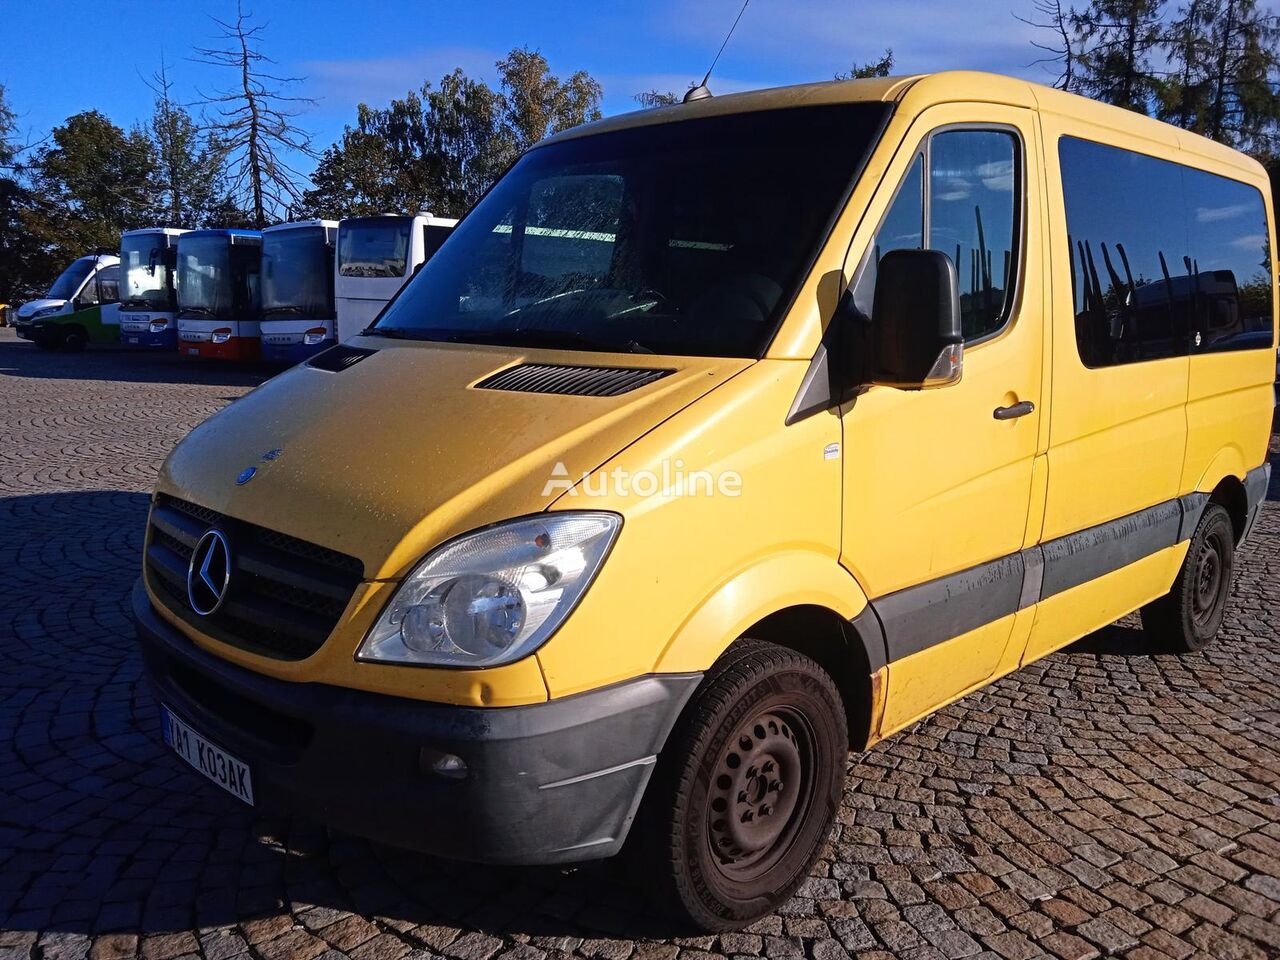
[(148, 275), (297, 274), (685, 238), (218, 277), (376, 247), (68, 282)]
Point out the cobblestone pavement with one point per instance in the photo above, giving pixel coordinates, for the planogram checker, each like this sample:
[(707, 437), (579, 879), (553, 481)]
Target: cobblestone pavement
[(1102, 801)]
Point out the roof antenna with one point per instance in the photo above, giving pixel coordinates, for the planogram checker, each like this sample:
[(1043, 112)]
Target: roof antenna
[(702, 91)]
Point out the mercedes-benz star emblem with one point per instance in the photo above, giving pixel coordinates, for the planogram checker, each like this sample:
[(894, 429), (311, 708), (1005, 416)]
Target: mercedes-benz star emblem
[(209, 573)]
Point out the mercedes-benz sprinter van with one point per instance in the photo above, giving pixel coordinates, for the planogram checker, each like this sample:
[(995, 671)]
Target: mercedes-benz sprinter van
[(718, 440)]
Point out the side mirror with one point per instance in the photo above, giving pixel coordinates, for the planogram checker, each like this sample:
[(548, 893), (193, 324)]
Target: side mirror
[(915, 321)]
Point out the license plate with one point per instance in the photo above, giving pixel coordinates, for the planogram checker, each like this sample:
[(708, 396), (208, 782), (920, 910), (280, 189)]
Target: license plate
[(222, 768), (131, 339), (193, 351)]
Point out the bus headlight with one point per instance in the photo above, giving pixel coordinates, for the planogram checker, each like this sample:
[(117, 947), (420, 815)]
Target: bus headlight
[(313, 336), (495, 595), (221, 335), (159, 326)]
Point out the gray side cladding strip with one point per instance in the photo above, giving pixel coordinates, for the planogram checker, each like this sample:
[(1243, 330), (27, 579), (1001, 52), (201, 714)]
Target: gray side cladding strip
[(918, 617), (1080, 557)]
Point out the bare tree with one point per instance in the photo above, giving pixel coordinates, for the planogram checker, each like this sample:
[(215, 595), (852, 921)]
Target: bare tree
[(255, 121), (1050, 17)]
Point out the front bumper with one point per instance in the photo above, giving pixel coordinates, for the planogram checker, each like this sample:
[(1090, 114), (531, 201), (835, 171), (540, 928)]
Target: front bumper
[(236, 348), (557, 782), (145, 339), (292, 352)]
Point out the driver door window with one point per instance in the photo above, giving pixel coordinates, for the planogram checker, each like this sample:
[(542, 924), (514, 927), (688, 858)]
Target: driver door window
[(959, 197)]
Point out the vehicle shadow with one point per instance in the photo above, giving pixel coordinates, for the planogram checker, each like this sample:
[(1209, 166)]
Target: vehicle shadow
[(104, 830), (18, 358)]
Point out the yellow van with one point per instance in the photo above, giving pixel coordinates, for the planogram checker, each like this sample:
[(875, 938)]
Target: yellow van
[(719, 440)]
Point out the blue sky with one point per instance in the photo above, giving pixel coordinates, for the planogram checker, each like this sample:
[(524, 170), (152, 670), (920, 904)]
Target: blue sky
[(62, 57)]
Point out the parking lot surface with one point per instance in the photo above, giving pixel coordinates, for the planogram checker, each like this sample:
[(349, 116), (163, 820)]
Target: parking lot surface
[(1103, 801)]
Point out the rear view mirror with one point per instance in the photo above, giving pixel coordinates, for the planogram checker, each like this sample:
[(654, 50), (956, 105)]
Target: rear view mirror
[(915, 321)]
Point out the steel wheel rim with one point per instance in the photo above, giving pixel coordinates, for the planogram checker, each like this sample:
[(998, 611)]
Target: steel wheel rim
[(759, 793), (1208, 579)]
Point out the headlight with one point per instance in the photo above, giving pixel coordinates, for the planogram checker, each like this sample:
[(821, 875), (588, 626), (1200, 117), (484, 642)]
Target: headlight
[(159, 326), (492, 596), (44, 312), (313, 336), (221, 335)]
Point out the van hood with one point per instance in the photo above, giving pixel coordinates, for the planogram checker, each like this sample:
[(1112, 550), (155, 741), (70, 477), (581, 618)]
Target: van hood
[(401, 451), (31, 306)]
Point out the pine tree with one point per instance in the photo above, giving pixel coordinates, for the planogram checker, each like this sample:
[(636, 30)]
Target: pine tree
[(1117, 40)]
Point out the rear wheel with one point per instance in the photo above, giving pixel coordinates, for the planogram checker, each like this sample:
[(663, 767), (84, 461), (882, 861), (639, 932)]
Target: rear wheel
[(1188, 617), (747, 788)]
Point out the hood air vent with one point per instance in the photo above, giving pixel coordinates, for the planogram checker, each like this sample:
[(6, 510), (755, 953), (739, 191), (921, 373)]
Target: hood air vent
[(570, 380), (339, 358)]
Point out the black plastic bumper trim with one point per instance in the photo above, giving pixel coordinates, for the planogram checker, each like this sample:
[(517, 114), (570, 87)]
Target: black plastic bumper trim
[(554, 782)]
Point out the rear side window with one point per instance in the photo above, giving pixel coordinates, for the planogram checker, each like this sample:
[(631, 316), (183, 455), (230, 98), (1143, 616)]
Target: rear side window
[(1228, 225), (1166, 260), (960, 196)]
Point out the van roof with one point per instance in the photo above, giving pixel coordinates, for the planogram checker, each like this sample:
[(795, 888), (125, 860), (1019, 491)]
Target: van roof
[(927, 88)]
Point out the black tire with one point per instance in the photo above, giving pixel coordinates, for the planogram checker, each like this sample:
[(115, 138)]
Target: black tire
[(746, 789), (74, 340), (1188, 617)]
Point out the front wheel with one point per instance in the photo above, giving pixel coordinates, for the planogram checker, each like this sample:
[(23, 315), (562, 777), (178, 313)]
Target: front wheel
[(1188, 617), (747, 788), (74, 340)]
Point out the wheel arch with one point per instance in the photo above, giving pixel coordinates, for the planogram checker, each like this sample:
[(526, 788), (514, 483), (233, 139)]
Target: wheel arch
[(804, 601), (1230, 494)]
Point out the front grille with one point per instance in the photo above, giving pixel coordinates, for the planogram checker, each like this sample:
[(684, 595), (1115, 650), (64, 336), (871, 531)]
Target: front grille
[(284, 596)]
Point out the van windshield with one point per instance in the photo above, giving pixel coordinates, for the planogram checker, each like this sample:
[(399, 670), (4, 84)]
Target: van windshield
[(297, 274), (376, 247), (68, 282), (148, 280), (687, 237)]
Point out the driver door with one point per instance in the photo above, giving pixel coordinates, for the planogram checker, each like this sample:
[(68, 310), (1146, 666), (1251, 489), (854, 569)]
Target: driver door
[(938, 483)]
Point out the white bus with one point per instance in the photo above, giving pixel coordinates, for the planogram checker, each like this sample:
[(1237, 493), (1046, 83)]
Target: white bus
[(376, 255), (297, 289), (148, 292)]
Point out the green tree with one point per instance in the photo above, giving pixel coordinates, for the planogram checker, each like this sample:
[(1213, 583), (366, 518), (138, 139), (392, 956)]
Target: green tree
[(882, 67), (1243, 106), (91, 182), (22, 268), (191, 163), (1117, 43), (439, 148), (648, 99)]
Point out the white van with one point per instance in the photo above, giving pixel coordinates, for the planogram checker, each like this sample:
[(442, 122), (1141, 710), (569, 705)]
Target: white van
[(376, 255), (80, 308)]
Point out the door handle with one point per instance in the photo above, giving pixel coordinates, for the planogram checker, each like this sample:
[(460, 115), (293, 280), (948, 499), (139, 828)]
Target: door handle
[(1014, 411)]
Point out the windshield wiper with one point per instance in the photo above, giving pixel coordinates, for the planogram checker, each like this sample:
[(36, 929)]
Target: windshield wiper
[(272, 311), (198, 311), (395, 333)]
